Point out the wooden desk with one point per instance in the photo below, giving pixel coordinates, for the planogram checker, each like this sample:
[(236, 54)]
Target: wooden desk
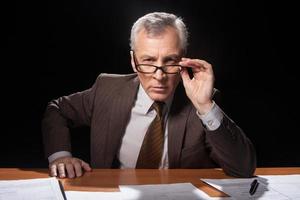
[(109, 179)]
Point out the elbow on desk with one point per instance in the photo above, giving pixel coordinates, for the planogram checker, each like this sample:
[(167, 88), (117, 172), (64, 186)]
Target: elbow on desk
[(244, 169)]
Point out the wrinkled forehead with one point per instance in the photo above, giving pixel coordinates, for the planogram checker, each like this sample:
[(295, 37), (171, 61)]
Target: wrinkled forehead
[(166, 41)]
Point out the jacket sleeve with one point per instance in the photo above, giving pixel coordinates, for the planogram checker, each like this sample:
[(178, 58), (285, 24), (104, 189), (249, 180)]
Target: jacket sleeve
[(231, 148), (64, 113)]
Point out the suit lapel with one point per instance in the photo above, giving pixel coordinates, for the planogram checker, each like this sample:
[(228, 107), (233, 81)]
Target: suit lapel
[(177, 123), (120, 114), (118, 119)]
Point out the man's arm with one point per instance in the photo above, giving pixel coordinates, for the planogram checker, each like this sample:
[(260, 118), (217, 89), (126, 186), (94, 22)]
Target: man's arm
[(62, 114), (230, 147)]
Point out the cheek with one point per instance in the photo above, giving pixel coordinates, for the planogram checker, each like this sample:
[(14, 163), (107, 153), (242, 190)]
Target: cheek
[(144, 79), (173, 81)]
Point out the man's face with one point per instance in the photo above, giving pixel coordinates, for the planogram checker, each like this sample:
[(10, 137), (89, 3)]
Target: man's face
[(157, 50)]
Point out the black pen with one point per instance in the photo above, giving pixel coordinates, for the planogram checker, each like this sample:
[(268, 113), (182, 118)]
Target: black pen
[(253, 187), (62, 190)]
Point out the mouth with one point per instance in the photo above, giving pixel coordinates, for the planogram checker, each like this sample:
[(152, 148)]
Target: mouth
[(159, 89)]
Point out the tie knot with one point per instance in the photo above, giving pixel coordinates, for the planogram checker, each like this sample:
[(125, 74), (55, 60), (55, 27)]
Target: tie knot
[(158, 107)]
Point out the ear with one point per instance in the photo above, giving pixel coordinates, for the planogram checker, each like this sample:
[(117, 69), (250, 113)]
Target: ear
[(132, 61)]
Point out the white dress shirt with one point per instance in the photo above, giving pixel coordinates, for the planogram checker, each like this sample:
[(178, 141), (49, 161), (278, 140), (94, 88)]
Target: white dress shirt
[(141, 117)]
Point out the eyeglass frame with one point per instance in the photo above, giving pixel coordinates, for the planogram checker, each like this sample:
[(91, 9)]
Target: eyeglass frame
[(156, 67)]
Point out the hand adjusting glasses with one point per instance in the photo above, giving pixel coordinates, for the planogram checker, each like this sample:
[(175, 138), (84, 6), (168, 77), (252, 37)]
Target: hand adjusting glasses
[(150, 69)]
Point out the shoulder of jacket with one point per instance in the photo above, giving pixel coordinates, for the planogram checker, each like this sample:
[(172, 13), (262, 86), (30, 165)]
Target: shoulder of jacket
[(113, 81), (117, 77)]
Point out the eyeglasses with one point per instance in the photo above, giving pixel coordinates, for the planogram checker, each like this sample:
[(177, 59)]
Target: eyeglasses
[(150, 69)]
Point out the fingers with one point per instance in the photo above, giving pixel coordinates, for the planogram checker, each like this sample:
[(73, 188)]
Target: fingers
[(78, 169), (68, 167), (53, 170), (197, 65), (70, 170), (85, 166), (61, 170), (57, 168)]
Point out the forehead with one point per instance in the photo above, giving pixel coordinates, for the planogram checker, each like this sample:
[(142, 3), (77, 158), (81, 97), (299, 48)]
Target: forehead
[(166, 42)]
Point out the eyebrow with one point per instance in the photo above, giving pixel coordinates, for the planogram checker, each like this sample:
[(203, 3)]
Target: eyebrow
[(147, 57), (175, 57)]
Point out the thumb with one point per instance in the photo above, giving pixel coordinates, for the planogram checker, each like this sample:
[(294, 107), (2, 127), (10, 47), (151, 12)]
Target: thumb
[(85, 166), (185, 76)]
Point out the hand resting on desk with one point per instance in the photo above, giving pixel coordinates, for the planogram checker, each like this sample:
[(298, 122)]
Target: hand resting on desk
[(67, 166)]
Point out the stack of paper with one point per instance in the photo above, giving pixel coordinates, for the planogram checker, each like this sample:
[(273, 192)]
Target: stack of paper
[(50, 189), (276, 187), (31, 189)]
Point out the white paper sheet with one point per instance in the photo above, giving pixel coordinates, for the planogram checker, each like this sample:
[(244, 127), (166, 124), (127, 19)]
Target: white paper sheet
[(288, 185), (78, 195), (176, 191), (31, 189), (277, 187)]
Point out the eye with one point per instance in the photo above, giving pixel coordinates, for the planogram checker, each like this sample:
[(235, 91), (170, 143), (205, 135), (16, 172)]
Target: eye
[(147, 60), (171, 61)]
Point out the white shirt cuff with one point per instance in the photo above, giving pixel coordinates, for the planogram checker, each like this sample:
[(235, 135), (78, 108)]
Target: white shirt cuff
[(212, 120), (58, 154)]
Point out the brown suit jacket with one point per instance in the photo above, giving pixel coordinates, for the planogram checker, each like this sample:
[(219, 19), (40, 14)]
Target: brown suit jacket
[(106, 108)]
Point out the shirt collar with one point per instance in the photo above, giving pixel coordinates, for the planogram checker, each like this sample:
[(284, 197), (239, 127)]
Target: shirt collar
[(144, 102)]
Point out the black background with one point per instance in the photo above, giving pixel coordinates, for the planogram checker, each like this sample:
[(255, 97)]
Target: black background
[(60, 47)]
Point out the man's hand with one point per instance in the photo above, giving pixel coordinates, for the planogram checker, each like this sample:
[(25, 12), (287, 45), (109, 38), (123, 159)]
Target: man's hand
[(199, 88), (68, 167)]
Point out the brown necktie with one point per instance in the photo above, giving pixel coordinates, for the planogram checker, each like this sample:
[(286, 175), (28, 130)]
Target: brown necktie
[(152, 147)]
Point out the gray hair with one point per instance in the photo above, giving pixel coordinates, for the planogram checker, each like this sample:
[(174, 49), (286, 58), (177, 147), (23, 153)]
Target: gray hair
[(155, 23)]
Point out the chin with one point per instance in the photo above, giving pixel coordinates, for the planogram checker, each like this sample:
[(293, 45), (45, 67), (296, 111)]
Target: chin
[(159, 97)]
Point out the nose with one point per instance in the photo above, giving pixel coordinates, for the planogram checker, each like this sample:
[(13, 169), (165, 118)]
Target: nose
[(159, 74)]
